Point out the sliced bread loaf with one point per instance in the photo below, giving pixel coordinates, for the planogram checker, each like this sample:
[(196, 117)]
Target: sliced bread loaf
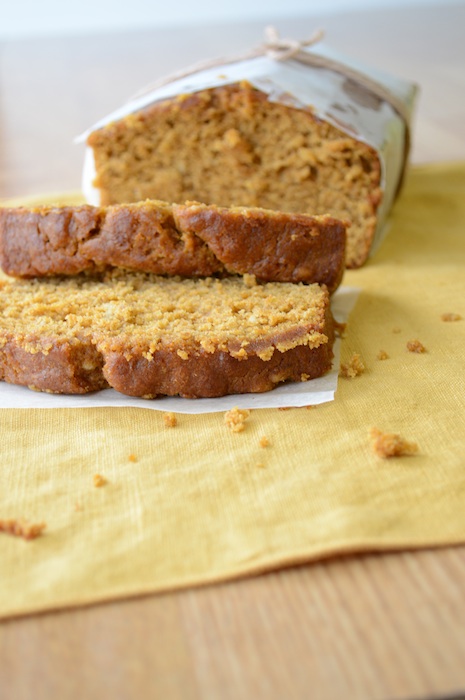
[(149, 336), (236, 146)]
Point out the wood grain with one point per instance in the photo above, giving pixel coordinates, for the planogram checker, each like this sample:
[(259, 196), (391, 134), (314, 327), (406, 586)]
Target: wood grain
[(377, 626)]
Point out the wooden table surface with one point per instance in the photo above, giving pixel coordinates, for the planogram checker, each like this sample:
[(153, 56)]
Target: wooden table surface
[(375, 626)]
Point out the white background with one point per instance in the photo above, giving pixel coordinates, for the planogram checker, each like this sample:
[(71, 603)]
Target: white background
[(29, 18)]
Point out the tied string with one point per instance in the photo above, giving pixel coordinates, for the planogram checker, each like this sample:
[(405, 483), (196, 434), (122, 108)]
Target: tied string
[(284, 49), (290, 49)]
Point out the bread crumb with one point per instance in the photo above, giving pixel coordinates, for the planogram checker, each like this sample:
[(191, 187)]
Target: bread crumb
[(99, 480), (284, 408), (415, 346), (170, 419), (21, 528), (353, 368), (260, 465), (235, 419), (382, 355), (249, 280), (310, 407), (77, 507), (264, 442), (391, 445), (396, 330), (132, 457), (448, 317)]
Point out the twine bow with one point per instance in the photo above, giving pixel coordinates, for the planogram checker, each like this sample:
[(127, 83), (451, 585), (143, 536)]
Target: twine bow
[(290, 49), (283, 49)]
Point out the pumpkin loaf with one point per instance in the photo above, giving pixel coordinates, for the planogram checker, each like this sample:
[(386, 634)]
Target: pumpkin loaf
[(188, 240), (234, 146), (149, 336)]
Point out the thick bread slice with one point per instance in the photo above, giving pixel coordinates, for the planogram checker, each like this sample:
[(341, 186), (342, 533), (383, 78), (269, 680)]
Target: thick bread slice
[(189, 240), (149, 336)]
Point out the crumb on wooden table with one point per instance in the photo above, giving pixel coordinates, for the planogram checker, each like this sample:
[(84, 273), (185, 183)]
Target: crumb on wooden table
[(99, 480), (21, 528), (264, 441), (170, 420), (391, 445), (449, 317), (382, 355), (235, 418), (132, 457), (353, 368), (415, 346)]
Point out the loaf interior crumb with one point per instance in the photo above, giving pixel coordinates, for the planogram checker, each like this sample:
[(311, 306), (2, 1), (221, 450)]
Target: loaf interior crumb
[(235, 419), (415, 346), (391, 445), (21, 528), (353, 368)]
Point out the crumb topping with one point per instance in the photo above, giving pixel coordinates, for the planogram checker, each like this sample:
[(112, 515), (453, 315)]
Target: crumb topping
[(148, 313)]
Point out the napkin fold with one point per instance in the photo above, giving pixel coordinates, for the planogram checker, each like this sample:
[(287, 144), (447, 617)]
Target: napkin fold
[(196, 503)]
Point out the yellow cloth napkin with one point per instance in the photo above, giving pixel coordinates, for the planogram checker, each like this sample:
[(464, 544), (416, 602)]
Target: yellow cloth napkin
[(196, 503)]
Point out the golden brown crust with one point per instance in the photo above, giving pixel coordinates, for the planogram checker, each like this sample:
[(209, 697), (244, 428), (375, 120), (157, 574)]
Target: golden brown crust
[(148, 336), (273, 246), (188, 240), (231, 146)]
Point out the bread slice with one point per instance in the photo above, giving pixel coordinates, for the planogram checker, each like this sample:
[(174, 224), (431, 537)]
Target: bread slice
[(235, 146), (149, 336), (187, 240)]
